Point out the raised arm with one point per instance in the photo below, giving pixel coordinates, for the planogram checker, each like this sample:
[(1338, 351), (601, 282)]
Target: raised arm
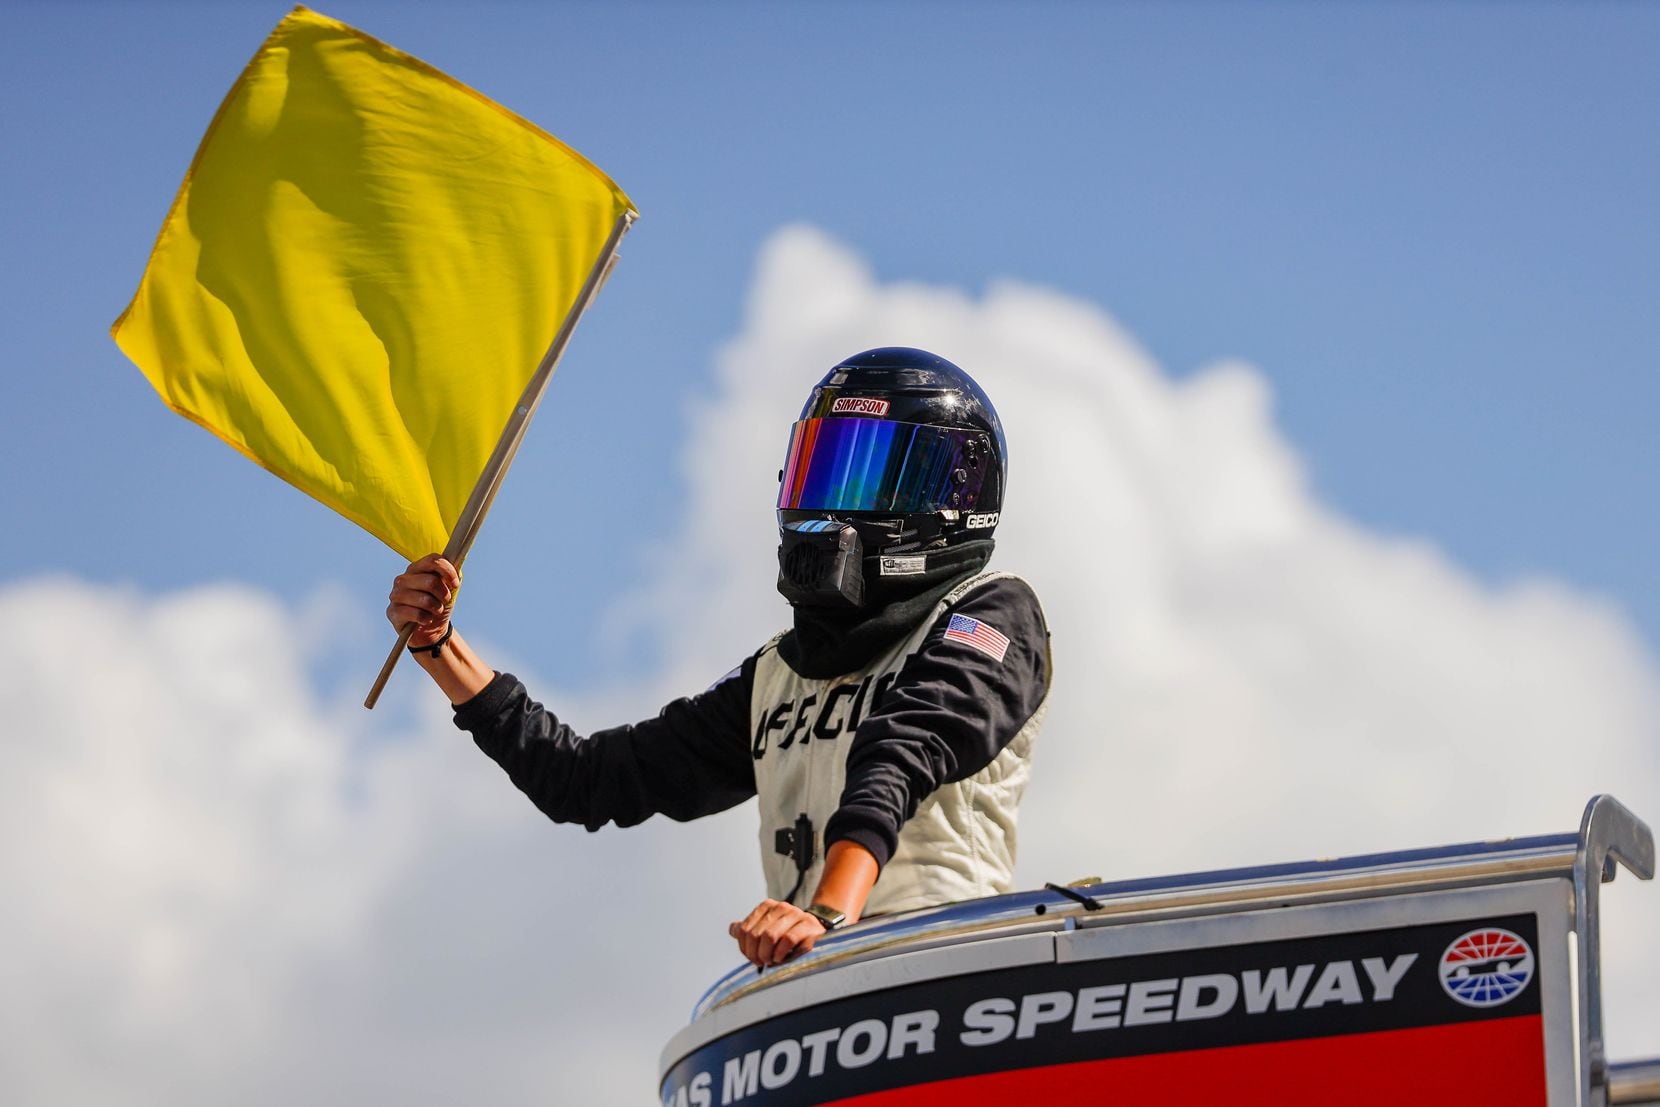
[(692, 759)]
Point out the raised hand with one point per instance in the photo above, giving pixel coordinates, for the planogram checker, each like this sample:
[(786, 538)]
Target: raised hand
[(424, 595)]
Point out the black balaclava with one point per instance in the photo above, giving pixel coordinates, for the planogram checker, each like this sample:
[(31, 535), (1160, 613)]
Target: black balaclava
[(829, 641)]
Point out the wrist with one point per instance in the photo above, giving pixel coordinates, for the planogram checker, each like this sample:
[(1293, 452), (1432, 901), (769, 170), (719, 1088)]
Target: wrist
[(455, 668), (850, 871), (432, 647)]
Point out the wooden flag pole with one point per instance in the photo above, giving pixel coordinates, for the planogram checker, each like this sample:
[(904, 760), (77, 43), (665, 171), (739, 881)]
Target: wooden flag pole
[(489, 481)]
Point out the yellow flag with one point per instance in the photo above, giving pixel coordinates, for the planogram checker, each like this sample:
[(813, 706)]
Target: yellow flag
[(364, 266)]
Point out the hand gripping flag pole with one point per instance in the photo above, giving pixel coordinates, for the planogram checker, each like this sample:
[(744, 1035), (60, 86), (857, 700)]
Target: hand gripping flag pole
[(489, 481)]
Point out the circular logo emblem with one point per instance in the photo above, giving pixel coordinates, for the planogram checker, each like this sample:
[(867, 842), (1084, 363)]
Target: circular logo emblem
[(1486, 967)]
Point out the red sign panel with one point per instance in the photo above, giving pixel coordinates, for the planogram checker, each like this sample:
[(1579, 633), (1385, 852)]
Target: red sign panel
[(1498, 1063)]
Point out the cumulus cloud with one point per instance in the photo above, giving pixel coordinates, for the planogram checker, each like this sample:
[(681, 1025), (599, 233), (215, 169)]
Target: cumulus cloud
[(234, 888), (1243, 675)]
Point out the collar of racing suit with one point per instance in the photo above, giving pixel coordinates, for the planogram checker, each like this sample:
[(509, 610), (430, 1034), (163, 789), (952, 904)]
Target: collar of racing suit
[(827, 642)]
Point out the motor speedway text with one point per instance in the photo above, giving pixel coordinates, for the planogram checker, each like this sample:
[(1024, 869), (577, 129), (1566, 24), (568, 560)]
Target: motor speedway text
[(992, 1020)]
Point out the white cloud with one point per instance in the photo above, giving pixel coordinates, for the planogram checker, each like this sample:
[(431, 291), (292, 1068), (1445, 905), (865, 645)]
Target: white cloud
[(1242, 675), (236, 890)]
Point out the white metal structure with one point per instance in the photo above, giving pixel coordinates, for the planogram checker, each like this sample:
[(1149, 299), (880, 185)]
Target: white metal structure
[(1464, 974)]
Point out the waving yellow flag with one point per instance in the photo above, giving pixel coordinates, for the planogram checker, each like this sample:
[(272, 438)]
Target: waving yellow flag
[(363, 268)]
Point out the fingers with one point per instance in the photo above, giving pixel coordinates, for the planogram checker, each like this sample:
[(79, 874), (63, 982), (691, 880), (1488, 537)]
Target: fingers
[(434, 573), (766, 907), (423, 594), (798, 939), (416, 605), (423, 600), (748, 931), (435, 563), (775, 932)]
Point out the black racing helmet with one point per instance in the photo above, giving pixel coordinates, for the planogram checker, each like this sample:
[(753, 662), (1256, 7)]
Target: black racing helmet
[(902, 445)]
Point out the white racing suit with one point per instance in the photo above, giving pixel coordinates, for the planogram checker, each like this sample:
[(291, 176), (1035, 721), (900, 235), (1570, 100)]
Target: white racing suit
[(920, 756)]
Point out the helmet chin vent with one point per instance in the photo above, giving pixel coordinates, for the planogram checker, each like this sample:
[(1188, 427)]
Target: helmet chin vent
[(819, 564), (804, 566)]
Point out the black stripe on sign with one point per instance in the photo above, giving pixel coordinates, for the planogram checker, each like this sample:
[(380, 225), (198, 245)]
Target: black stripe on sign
[(1121, 1007)]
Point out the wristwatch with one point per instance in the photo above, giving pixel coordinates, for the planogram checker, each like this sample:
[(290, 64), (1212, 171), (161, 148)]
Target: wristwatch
[(829, 917)]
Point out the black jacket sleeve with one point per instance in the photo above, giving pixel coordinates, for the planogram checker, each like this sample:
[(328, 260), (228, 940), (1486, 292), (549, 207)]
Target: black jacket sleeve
[(691, 760), (950, 712)]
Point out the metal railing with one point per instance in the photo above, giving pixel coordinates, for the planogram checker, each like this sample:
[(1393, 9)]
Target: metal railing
[(1132, 901), (1635, 1083)]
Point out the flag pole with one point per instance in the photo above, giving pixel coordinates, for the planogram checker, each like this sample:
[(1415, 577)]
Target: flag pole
[(489, 481)]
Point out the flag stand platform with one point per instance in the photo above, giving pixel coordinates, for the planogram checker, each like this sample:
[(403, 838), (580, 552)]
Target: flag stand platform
[(1465, 974)]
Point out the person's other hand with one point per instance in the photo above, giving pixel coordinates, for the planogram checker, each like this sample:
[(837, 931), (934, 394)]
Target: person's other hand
[(774, 932), (423, 595)]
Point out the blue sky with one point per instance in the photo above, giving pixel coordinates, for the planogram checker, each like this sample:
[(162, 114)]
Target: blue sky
[(1431, 227), (1324, 336)]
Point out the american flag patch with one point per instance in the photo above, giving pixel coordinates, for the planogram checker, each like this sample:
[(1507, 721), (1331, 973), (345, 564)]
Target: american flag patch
[(972, 632)]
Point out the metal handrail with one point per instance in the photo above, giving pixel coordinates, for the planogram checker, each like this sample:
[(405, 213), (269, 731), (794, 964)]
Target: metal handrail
[(1608, 832), (1634, 1083), (1211, 892)]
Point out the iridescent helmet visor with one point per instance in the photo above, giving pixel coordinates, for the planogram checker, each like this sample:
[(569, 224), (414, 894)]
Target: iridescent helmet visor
[(851, 464)]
